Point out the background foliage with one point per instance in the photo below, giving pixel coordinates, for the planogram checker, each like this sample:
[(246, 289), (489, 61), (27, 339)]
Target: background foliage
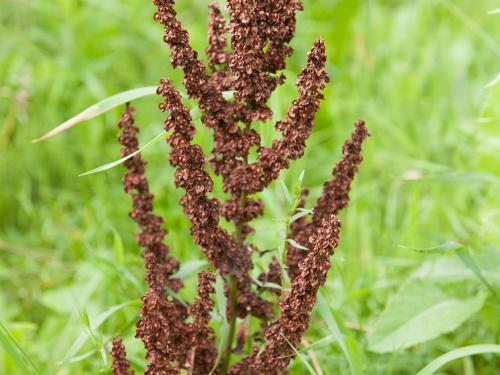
[(417, 271)]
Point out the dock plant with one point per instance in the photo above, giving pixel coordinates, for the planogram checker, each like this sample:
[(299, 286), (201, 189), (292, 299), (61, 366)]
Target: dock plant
[(245, 56)]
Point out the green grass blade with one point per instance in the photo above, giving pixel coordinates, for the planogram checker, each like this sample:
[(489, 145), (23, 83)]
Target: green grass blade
[(113, 164), (466, 351), (333, 327), (99, 108), (10, 345), (221, 300), (443, 248), (301, 356)]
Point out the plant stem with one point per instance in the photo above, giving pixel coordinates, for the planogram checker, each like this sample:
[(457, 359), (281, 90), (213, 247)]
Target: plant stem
[(232, 301), (233, 288), (226, 357)]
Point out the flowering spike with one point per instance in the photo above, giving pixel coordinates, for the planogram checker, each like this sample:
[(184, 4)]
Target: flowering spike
[(161, 320), (204, 351), (333, 199), (217, 40), (120, 364), (296, 128), (335, 195), (295, 307), (219, 246)]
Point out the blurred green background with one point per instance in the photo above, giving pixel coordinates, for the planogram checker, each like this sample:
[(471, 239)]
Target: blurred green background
[(417, 271)]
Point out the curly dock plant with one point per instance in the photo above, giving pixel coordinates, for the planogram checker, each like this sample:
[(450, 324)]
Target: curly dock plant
[(176, 334)]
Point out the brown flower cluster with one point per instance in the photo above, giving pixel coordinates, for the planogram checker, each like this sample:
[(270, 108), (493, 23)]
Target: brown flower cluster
[(286, 332), (335, 196), (232, 94), (161, 327), (120, 363)]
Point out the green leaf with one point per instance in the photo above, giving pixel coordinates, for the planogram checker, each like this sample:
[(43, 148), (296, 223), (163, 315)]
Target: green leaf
[(439, 249), (220, 297), (113, 164), (333, 327), (175, 296), (298, 185), (302, 212), (296, 244), (189, 268), (286, 192), (10, 345), (221, 300), (100, 108), (119, 250), (419, 312), (85, 317), (466, 351), (266, 284), (464, 255), (301, 356), (446, 269), (98, 321)]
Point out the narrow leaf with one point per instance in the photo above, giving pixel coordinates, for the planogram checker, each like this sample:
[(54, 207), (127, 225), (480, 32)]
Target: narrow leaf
[(189, 268), (175, 296), (119, 250), (296, 244), (301, 356), (301, 213), (266, 284), (443, 248), (286, 192), (113, 164), (333, 327), (466, 351), (9, 343), (221, 299), (319, 344), (98, 321), (99, 108), (84, 316), (298, 185)]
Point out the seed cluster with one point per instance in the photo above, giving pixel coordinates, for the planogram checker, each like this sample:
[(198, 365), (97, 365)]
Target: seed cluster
[(120, 363), (232, 93), (334, 198), (161, 327)]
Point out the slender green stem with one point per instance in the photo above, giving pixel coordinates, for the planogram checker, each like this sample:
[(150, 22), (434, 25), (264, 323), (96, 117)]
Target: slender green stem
[(232, 300), (233, 289), (226, 357)]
